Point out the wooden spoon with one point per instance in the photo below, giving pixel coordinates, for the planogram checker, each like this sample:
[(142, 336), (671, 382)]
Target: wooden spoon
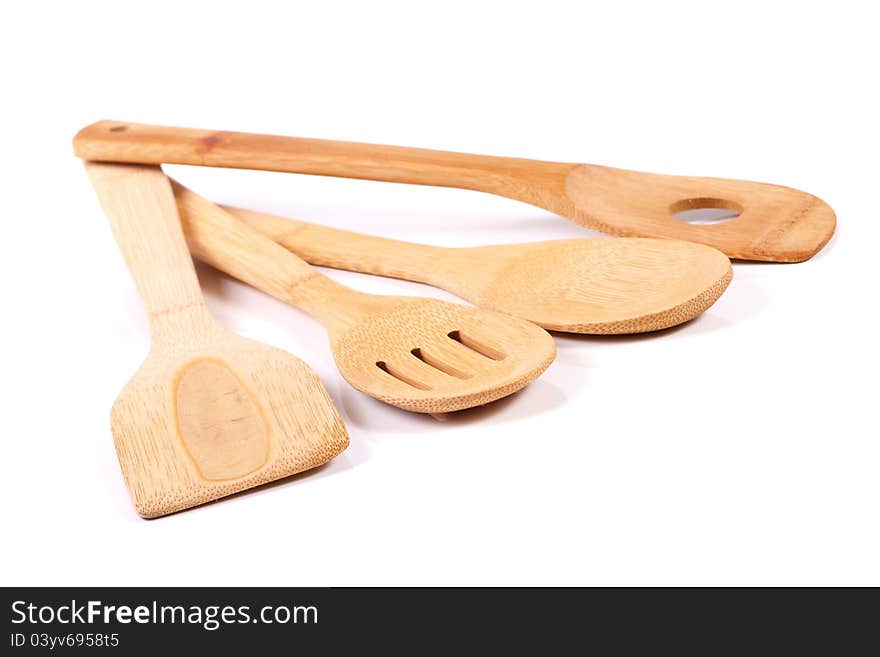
[(209, 413), (422, 355), (775, 223), (599, 286)]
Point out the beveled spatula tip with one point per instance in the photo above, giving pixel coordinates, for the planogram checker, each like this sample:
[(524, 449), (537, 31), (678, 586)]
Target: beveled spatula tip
[(222, 415), (803, 235)]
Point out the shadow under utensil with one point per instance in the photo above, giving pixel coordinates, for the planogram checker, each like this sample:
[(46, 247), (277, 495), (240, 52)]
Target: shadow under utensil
[(702, 324), (337, 465), (564, 339), (569, 346), (744, 299), (219, 289), (363, 411), (538, 397), (550, 227), (212, 281)]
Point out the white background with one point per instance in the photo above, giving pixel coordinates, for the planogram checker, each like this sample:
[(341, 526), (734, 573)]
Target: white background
[(739, 449)]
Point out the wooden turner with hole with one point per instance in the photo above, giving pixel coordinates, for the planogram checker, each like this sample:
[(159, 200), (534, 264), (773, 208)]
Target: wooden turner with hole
[(209, 413), (595, 286), (418, 354), (774, 223)]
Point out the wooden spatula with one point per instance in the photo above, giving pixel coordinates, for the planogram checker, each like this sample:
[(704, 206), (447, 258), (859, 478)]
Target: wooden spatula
[(422, 355), (775, 223), (209, 413), (598, 286)]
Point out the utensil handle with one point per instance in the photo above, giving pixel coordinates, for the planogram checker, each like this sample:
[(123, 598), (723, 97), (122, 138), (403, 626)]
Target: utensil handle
[(140, 207), (342, 249), (219, 239), (216, 237), (120, 141)]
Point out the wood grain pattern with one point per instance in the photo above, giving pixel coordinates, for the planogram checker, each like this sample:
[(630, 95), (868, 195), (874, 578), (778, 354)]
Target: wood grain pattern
[(219, 421), (208, 413), (421, 355), (597, 286), (775, 223)]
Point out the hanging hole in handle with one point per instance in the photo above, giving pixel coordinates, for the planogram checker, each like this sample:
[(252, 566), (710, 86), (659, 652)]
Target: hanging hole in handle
[(705, 211), (119, 128)]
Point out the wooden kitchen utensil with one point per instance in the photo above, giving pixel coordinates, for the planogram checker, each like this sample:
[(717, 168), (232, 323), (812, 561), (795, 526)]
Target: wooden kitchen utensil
[(209, 413), (422, 355), (775, 223), (599, 286)]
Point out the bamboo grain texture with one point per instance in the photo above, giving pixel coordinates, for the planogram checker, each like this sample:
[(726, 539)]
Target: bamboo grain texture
[(593, 286), (422, 355), (208, 413), (774, 223)]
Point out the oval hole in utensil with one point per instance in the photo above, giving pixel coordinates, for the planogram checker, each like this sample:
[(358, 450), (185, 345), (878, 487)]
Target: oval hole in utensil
[(705, 211)]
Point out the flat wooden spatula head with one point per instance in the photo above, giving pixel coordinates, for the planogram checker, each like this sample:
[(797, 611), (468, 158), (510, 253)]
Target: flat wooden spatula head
[(217, 414), (209, 413)]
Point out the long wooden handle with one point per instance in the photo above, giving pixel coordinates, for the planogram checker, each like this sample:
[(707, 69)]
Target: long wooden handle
[(131, 142), (342, 249), (216, 237), (774, 223), (140, 207)]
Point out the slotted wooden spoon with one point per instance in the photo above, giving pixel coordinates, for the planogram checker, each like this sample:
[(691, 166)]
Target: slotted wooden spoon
[(775, 223), (209, 413), (598, 286), (422, 355)]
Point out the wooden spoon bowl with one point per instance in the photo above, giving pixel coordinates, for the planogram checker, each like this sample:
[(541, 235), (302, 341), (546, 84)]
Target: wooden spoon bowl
[(601, 286), (596, 286)]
